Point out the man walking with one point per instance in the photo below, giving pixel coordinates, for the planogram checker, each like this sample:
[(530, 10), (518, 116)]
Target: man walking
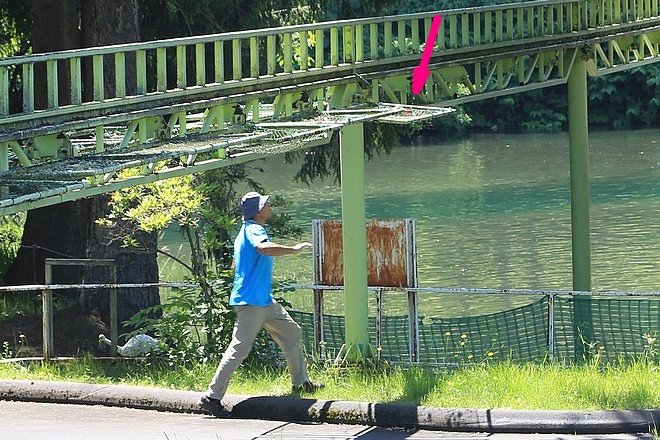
[(255, 306)]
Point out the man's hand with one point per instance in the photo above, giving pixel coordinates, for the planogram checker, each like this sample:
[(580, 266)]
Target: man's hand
[(302, 246)]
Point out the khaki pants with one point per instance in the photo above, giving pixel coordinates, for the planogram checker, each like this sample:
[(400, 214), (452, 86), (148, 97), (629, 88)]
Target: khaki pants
[(249, 320)]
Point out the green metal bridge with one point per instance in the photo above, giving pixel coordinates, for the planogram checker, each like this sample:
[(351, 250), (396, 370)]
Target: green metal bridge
[(71, 122)]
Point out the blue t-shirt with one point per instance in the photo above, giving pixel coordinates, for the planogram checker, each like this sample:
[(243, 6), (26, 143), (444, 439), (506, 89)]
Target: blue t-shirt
[(253, 271)]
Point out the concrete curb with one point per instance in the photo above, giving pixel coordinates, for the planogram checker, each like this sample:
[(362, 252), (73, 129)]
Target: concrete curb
[(310, 410)]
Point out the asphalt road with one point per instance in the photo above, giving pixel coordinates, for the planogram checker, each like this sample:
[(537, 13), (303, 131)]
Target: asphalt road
[(52, 421)]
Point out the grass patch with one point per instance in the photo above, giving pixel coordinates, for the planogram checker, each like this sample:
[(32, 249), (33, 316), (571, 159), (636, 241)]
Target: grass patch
[(500, 385), (552, 386)]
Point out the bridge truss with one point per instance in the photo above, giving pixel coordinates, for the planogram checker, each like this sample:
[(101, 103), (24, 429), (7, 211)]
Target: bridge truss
[(72, 121)]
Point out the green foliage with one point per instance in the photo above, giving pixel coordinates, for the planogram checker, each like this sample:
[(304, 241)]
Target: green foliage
[(651, 350), (621, 100), (410, 6), (167, 18), (535, 111), (459, 351), (17, 303), (551, 386), (282, 224), (19, 347), (347, 9), (628, 99), (194, 327), (220, 212), (15, 40), (321, 162), (15, 25), (11, 231), (451, 126), (153, 207)]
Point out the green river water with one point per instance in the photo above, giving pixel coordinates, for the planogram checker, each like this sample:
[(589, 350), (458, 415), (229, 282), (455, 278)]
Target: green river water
[(493, 211)]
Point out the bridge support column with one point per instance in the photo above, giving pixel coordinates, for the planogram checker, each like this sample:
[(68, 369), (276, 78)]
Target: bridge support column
[(579, 155), (579, 158), (351, 141)]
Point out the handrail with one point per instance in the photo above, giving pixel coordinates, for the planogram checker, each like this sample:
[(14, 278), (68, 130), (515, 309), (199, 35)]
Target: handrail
[(226, 36), (484, 291), (94, 286)]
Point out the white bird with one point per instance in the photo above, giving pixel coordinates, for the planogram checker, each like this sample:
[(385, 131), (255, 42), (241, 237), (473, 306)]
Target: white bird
[(138, 345)]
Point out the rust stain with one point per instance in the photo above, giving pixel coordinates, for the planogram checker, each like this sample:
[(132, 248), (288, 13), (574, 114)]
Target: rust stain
[(386, 253), (332, 264)]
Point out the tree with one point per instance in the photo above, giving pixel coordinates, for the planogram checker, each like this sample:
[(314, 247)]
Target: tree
[(70, 230)]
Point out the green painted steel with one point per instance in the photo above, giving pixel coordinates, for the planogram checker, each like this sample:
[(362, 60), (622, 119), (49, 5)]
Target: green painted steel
[(467, 35), (482, 52), (580, 230), (510, 49), (579, 155), (354, 239)]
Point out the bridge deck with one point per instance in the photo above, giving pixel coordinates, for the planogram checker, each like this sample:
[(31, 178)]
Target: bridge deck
[(143, 104), (63, 180)]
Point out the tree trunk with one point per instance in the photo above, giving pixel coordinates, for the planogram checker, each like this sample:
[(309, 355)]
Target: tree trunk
[(54, 27), (132, 266), (69, 230), (58, 231), (55, 231), (107, 22)]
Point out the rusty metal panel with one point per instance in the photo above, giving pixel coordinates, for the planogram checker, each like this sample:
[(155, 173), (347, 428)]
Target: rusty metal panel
[(331, 255), (388, 259)]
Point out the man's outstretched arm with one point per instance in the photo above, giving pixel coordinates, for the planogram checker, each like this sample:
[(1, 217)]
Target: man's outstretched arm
[(275, 250)]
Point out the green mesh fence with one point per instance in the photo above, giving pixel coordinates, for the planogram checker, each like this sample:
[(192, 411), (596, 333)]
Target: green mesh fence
[(394, 336), (518, 334), (612, 326), (619, 326)]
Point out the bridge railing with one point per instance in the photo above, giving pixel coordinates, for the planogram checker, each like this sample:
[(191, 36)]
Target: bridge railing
[(127, 77)]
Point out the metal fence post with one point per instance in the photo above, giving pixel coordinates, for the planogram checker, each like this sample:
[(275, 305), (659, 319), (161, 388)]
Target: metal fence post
[(318, 323), (413, 317), (113, 309), (318, 293), (551, 326), (413, 309), (379, 319), (47, 314), (47, 299)]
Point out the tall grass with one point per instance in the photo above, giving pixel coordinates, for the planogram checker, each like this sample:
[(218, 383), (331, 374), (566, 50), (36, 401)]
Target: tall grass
[(499, 385)]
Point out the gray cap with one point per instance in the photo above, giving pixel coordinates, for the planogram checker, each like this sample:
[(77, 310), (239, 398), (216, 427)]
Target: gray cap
[(252, 203)]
